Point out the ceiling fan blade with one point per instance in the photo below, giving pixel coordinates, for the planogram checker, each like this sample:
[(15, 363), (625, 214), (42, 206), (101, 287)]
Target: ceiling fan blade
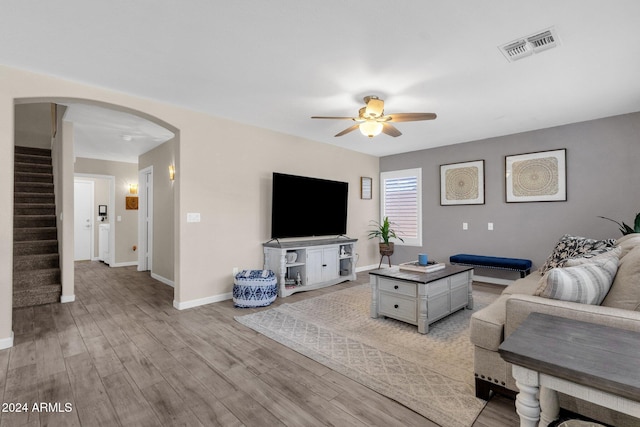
[(390, 130), (410, 117), (349, 129), (335, 118)]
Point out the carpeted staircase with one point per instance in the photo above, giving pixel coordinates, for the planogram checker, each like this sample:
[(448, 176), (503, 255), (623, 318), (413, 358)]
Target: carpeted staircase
[(36, 265)]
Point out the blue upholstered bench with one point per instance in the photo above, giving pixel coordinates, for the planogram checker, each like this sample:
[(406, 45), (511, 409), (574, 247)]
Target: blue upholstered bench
[(523, 266), (254, 288)]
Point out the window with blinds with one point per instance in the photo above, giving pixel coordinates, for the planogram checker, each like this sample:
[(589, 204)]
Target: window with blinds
[(401, 201)]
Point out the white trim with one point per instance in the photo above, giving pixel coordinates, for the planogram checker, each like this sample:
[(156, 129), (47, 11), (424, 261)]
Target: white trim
[(6, 342), (202, 301), (145, 239), (366, 268), (123, 264), (67, 298), (494, 280), (163, 280)]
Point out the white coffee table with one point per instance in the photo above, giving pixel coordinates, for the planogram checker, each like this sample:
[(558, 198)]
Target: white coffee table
[(420, 299)]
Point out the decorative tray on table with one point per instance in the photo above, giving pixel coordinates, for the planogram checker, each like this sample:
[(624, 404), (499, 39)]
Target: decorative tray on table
[(415, 266)]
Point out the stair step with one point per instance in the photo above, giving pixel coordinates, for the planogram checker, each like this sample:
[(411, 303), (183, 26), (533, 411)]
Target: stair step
[(33, 187), (30, 158), (37, 295), (33, 198), (33, 278), (35, 247), (22, 177), (35, 262), (33, 221), (32, 167), (19, 149), (34, 233), (34, 209)]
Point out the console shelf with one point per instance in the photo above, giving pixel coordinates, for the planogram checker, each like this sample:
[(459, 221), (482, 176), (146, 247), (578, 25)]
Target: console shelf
[(318, 263)]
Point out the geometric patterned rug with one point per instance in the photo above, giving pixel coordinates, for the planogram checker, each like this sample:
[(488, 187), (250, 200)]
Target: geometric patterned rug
[(430, 374)]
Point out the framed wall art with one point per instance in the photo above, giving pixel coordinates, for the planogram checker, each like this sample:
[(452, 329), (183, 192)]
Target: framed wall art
[(366, 187), (462, 183), (536, 177)]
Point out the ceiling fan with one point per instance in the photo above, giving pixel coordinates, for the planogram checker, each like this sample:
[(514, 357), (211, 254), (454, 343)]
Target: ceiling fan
[(371, 119)]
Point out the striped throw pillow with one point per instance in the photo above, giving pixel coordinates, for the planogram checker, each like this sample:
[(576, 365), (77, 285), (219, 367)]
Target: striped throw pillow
[(586, 283)]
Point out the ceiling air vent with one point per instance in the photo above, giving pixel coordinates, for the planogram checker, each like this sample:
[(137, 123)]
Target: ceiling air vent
[(528, 45)]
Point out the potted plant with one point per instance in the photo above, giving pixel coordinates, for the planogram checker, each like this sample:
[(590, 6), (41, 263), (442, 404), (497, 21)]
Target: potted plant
[(624, 228), (384, 232)]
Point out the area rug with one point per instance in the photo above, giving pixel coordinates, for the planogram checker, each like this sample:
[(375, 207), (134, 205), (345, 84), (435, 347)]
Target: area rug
[(431, 374)]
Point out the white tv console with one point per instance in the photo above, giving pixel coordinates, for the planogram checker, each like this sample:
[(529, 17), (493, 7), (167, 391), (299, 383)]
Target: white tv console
[(319, 263)]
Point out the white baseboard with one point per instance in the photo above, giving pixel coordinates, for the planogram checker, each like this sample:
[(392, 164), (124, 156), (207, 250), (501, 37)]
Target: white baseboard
[(6, 342), (370, 267), (494, 280), (67, 298), (123, 264), (202, 301), (163, 280)]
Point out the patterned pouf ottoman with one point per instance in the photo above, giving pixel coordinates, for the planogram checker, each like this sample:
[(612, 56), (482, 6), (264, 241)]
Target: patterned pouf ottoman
[(254, 288)]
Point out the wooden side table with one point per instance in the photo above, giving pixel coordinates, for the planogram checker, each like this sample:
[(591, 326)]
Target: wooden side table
[(595, 363)]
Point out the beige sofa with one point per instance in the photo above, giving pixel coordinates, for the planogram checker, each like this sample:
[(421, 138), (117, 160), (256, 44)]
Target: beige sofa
[(489, 326)]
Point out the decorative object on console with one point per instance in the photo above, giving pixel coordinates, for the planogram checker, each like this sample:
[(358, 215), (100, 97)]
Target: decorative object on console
[(385, 232), (462, 183), (291, 257), (423, 259), (366, 187), (536, 177), (624, 228)]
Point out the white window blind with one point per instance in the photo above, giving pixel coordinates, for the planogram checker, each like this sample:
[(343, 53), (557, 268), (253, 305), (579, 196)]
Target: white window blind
[(402, 203)]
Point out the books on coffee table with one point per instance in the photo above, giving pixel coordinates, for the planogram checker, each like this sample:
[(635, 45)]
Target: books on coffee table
[(415, 266)]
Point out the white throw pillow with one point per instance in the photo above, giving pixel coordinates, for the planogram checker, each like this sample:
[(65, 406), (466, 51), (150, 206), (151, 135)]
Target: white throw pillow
[(586, 283)]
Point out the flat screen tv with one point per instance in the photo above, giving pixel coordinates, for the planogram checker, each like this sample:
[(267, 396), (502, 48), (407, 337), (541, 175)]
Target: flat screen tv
[(306, 207)]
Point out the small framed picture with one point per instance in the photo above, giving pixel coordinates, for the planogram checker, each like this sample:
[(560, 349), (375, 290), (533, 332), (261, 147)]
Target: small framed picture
[(462, 183), (536, 177), (131, 203), (366, 187)]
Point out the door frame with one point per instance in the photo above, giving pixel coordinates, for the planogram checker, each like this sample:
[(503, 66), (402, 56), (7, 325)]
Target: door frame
[(145, 231), (110, 209)]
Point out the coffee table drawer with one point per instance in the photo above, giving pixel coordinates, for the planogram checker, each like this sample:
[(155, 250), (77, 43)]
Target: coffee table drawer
[(397, 287), (398, 307)]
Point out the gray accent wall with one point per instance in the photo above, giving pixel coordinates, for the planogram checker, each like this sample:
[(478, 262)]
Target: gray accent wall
[(603, 178)]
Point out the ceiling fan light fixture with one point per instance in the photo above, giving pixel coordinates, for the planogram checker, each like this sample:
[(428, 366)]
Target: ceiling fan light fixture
[(371, 128), (375, 107)]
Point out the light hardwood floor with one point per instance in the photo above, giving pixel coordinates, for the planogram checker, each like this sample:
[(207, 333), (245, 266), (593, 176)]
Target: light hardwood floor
[(122, 355)]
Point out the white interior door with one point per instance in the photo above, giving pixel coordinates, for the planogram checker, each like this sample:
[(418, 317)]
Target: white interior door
[(83, 219), (145, 219)]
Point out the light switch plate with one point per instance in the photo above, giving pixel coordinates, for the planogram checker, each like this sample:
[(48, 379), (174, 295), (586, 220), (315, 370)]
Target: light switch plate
[(490, 226), (465, 225), (193, 217)]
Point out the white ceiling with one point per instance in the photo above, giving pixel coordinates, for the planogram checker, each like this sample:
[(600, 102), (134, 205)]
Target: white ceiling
[(100, 133), (274, 64)]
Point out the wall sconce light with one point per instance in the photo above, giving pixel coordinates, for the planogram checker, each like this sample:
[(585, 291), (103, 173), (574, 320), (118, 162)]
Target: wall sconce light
[(133, 188), (172, 172)]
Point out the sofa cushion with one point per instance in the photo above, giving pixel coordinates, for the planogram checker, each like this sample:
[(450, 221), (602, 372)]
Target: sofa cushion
[(628, 242), (586, 283), (526, 285), (625, 290), (487, 325), (574, 247)]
